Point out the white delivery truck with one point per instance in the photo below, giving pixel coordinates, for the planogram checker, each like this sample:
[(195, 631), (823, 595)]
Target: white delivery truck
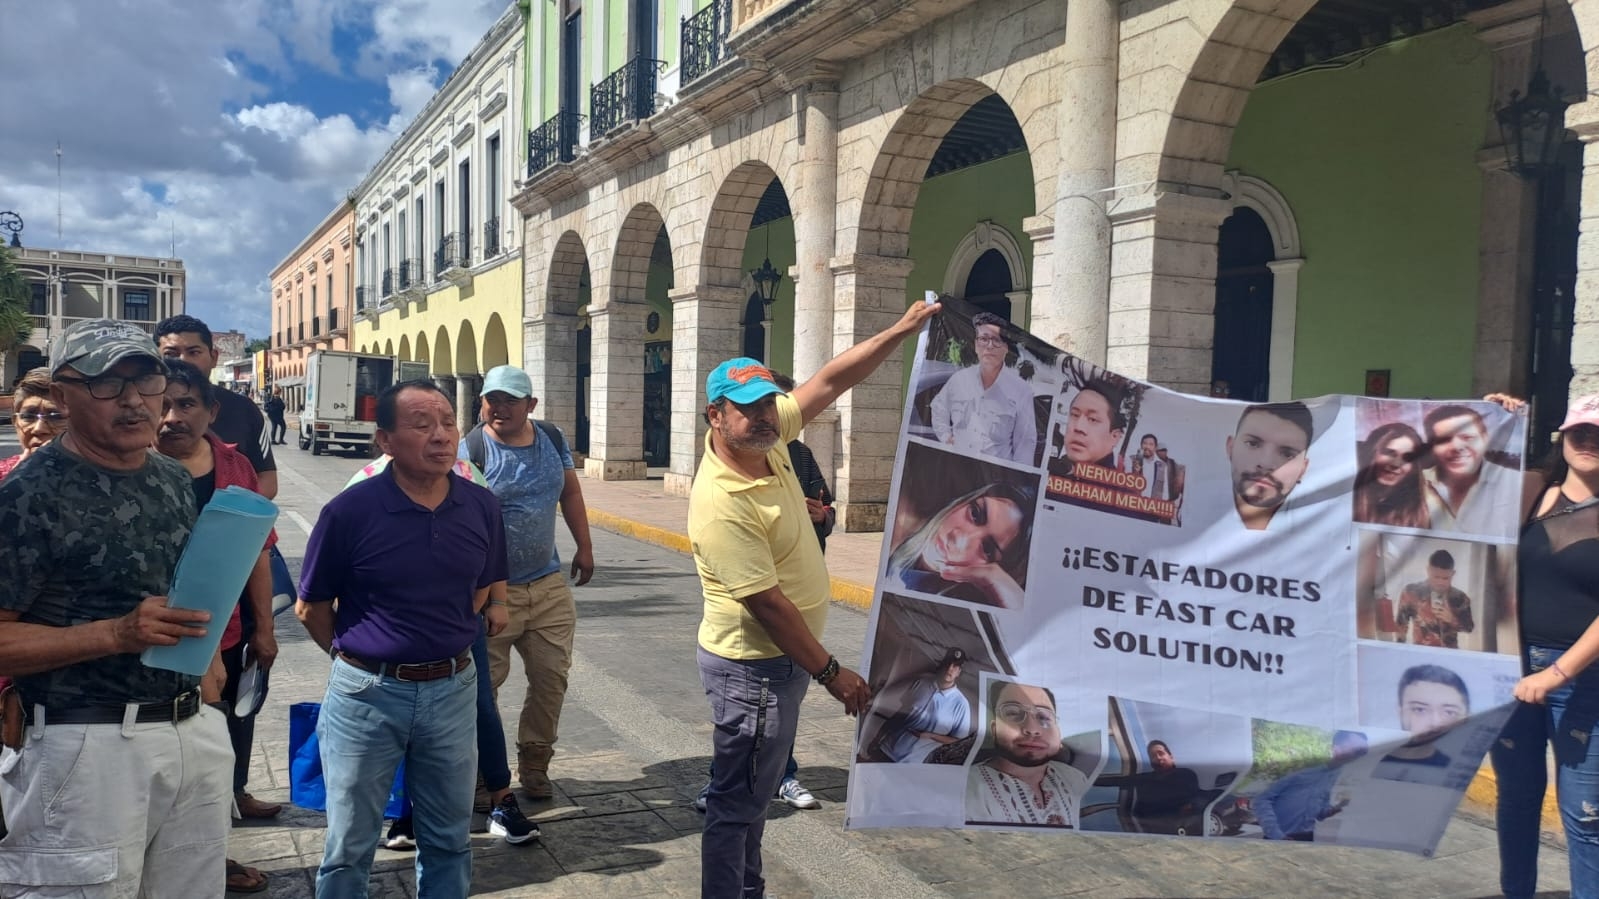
[(341, 400)]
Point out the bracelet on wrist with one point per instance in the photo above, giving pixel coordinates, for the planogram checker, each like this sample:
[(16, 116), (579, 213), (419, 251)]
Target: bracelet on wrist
[(1559, 670), (496, 602), (828, 673)]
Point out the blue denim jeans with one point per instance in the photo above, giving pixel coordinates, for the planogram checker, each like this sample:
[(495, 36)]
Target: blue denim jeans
[(755, 709), (493, 764), (1567, 720), (368, 724)]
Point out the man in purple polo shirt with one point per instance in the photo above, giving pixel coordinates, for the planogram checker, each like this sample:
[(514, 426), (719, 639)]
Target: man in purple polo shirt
[(409, 557)]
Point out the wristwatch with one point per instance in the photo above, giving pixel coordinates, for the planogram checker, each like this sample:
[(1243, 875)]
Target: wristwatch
[(828, 672)]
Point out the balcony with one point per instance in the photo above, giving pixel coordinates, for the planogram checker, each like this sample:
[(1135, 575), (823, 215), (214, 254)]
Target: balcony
[(316, 326), (388, 283), (626, 95), (552, 142), (453, 260), (705, 39), (333, 322), (410, 277), (491, 238), (364, 299)]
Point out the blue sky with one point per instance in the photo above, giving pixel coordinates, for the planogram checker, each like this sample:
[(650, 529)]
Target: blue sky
[(237, 125)]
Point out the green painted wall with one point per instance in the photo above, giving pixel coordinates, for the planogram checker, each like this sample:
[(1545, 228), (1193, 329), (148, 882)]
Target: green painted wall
[(950, 206), (776, 238), (615, 37), (656, 286), (548, 66), (1378, 162)]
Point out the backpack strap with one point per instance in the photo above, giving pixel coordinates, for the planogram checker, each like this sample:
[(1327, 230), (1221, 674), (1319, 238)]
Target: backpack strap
[(554, 433), (475, 449)]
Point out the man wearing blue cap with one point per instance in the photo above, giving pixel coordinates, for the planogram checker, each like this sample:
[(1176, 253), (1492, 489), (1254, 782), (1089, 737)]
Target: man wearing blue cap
[(530, 470), (766, 593)]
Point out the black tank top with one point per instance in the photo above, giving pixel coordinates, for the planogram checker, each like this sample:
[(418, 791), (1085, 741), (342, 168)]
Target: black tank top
[(1558, 570)]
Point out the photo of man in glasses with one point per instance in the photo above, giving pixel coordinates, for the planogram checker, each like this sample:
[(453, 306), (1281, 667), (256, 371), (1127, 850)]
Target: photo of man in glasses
[(987, 408), (1026, 777)]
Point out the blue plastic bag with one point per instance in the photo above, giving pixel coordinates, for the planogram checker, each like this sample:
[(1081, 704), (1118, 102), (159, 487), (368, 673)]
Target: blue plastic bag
[(306, 788)]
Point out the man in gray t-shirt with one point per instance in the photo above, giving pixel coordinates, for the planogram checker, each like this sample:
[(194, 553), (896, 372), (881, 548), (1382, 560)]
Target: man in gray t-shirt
[(95, 524)]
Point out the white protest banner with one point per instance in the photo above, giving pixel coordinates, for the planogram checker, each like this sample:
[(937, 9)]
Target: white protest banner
[(1107, 606)]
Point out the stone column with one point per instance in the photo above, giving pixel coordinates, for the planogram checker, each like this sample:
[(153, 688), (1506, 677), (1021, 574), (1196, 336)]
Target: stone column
[(1072, 315), (1507, 234), (815, 228), (1163, 288), (466, 393), (705, 333), (1584, 120), (447, 384), (616, 391), (549, 348), (871, 297)]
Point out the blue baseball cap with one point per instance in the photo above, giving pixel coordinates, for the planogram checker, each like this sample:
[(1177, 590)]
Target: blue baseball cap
[(742, 380), (508, 379)]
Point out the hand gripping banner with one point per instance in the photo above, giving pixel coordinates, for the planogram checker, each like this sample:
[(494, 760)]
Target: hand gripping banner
[(1107, 606)]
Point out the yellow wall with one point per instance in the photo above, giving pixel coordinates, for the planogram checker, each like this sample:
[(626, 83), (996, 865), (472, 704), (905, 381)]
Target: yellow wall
[(496, 291)]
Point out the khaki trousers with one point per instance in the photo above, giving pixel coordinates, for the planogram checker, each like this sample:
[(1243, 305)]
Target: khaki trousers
[(543, 623)]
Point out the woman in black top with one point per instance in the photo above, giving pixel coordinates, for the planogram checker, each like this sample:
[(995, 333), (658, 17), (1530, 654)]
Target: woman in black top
[(1558, 572)]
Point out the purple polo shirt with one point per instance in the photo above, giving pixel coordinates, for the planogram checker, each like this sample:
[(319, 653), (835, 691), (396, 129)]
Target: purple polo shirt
[(404, 575)]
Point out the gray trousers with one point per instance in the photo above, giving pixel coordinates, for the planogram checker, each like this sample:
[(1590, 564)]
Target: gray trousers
[(755, 708)]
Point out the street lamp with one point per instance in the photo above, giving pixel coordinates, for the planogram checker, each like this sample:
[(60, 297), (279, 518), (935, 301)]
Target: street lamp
[(1532, 126), (766, 279)]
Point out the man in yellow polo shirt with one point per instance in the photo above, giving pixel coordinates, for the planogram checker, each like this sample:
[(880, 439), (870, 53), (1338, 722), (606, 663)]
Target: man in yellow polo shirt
[(766, 594)]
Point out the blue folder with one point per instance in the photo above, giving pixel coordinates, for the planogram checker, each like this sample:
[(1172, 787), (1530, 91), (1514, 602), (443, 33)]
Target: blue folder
[(227, 539)]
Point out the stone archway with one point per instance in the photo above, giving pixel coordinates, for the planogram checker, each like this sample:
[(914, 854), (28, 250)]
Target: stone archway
[(984, 238), (496, 350), (553, 349), (405, 348), (616, 442)]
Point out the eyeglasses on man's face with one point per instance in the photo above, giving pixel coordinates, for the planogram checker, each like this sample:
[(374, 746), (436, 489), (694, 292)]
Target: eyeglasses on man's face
[(987, 340), (1015, 714), (53, 419), (109, 387)]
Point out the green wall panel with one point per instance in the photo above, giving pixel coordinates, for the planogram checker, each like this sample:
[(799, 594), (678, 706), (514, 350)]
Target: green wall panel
[(776, 237), (950, 206), (1378, 162)]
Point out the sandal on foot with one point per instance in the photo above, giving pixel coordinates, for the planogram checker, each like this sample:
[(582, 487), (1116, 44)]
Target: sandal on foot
[(244, 879)]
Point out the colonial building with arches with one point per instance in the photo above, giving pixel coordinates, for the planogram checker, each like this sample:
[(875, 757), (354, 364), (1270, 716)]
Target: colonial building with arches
[(313, 298), (1268, 198)]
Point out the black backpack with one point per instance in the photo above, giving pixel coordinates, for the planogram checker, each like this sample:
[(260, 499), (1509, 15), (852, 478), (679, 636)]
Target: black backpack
[(478, 452)]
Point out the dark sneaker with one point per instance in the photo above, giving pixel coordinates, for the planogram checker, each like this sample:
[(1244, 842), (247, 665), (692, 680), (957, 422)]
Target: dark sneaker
[(507, 821), (703, 797), (401, 838)]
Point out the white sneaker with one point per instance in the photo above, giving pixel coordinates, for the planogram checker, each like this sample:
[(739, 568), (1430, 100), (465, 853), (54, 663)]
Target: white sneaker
[(794, 793), (700, 800)]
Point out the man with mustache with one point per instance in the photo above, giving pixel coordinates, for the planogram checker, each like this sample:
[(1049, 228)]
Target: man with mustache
[(94, 524), (1023, 783), (184, 435), (987, 408), (1268, 455), (530, 470), (1433, 701), (1465, 491), (766, 593)]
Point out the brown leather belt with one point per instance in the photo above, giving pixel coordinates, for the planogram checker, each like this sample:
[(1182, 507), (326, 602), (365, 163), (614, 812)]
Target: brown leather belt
[(179, 708), (412, 671)]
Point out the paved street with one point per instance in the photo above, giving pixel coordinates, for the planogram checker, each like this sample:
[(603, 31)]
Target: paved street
[(634, 746)]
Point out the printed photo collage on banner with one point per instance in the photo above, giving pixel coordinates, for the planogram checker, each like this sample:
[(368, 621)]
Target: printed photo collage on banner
[(1111, 607)]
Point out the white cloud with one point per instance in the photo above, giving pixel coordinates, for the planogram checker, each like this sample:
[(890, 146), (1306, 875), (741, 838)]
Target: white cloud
[(184, 95)]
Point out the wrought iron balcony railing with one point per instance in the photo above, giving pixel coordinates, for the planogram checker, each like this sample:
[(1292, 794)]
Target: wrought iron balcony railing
[(409, 274), (388, 283), (705, 39), (364, 299), (454, 250), (626, 95), (316, 326), (491, 238), (552, 142), (333, 319)]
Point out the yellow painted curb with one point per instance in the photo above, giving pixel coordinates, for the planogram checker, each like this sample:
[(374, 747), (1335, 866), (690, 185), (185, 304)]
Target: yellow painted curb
[(1484, 794), (846, 592)]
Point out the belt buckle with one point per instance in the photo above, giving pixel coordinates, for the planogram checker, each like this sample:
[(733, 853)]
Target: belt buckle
[(178, 704)]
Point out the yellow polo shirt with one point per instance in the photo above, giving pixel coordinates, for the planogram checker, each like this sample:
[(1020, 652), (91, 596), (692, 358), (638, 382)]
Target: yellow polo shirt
[(749, 536)]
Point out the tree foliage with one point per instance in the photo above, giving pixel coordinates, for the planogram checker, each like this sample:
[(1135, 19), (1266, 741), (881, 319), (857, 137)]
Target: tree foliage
[(16, 326), (258, 344)]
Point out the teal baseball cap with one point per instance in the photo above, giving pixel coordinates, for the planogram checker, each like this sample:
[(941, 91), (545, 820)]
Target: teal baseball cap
[(742, 380), (508, 379)]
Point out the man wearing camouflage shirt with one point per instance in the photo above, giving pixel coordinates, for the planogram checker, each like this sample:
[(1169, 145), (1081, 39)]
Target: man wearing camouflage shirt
[(119, 784)]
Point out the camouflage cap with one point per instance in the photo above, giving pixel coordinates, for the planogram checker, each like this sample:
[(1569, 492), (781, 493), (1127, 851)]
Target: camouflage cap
[(93, 346)]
